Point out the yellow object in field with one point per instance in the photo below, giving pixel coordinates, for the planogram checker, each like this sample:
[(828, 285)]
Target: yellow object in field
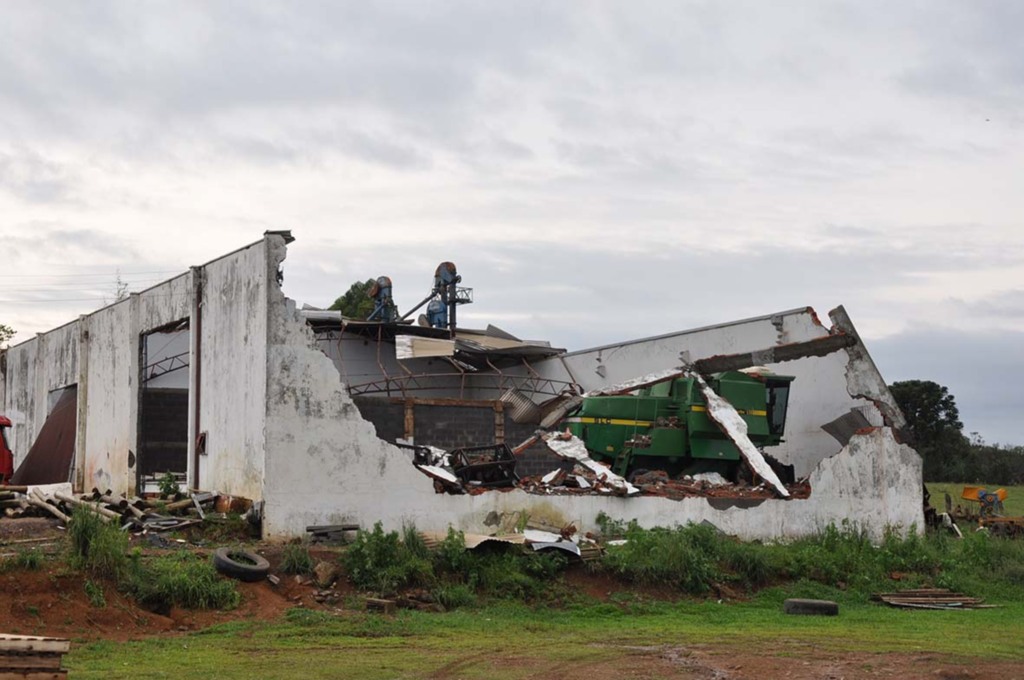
[(971, 493)]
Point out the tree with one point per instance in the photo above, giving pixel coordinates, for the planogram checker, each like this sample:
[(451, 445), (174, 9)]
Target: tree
[(934, 424), (355, 303), (6, 333)]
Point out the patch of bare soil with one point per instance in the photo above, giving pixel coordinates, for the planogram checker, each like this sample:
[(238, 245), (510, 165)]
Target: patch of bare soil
[(727, 662), (25, 528), (53, 600)]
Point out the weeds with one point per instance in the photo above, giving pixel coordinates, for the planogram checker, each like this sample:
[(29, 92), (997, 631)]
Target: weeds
[(94, 592), (454, 596), (296, 559), (683, 557), (179, 579), (837, 559), (97, 546), (24, 559), (382, 563), (169, 486), (157, 583)]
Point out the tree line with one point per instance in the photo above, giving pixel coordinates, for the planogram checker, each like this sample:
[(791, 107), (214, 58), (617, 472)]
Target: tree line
[(935, 430)]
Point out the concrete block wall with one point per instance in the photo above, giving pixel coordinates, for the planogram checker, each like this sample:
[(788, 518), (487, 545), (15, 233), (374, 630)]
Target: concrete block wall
[(387, 416), (453, 427), (536, 460)]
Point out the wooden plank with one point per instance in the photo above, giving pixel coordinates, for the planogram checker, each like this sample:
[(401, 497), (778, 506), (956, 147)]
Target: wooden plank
[(376, 604), (330, 528), (28, 674), (38, 661), (30, 643)]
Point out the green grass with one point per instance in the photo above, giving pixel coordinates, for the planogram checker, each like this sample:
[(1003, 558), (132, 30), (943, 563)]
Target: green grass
[(295, 559), (1013, 505), (179, 579), (414, 644)]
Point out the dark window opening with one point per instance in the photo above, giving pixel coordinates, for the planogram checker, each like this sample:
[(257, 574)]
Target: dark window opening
[(163, 405), (778, 401)]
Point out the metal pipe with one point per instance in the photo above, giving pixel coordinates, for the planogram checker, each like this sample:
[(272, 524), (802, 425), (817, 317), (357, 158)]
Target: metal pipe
[(425, 301)]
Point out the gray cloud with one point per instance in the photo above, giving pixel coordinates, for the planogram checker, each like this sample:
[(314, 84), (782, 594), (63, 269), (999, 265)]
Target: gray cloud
[(977, 367), (599, 172), (34, 178)]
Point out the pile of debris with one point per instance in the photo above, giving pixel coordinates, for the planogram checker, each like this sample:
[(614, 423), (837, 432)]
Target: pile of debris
[(473, 471), (536, 537), (137, 514)]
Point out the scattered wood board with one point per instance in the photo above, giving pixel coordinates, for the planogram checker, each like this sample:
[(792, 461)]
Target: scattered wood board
[(26, 657), (930, 598)]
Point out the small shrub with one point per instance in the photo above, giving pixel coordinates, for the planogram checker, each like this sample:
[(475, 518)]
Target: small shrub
[(451, 555), (168, 485), (454, 596), (683, 557), (751, 564), (97, 546), (22, 560), (512, 574), (381, 563), (296, 559), (180, 579), (94, 592)]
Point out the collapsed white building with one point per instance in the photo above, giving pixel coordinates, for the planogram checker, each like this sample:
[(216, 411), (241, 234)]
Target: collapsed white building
[(216, 376)]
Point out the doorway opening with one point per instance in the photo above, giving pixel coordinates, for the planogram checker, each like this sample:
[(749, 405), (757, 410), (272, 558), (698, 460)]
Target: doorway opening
[(163, 407)]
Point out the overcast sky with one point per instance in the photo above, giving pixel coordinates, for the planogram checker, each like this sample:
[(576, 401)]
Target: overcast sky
[(597, 170)]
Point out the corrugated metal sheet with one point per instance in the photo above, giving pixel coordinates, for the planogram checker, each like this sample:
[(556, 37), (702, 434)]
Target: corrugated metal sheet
[(49, 459)]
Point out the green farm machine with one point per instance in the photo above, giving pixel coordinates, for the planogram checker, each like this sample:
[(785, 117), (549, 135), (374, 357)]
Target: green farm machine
[(665, 426)]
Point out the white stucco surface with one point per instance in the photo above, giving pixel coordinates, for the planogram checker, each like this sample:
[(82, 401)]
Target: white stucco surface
[(233, 384)]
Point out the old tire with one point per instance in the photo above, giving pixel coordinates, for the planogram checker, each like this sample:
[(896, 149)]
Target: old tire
[(240, 564), (810, 607)]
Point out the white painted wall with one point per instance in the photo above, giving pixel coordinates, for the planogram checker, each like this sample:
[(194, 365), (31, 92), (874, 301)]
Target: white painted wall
[(110, 399), (233, 383), (325, 464), (100, 352)]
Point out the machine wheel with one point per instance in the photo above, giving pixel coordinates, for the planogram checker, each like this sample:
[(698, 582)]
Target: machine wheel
[(810, 607), (240, 564)]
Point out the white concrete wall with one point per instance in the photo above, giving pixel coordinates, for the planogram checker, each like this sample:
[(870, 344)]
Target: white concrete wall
[(100, 353), (35, 369), (326, 466), (233, 382), (20, 397), (110, 399)]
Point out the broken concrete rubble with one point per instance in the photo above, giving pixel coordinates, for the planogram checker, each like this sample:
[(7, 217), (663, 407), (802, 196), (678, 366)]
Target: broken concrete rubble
[(589, 477)]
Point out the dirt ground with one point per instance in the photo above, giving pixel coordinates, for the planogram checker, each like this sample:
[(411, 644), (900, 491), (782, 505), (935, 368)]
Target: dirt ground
[(53, 601), (709, 662)]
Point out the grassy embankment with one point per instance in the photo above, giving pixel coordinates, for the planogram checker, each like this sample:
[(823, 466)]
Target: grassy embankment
[(497, 636)]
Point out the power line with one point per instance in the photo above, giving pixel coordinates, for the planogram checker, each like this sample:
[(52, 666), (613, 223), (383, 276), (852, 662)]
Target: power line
[(82, 287), (101, 274), (88, 299)]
